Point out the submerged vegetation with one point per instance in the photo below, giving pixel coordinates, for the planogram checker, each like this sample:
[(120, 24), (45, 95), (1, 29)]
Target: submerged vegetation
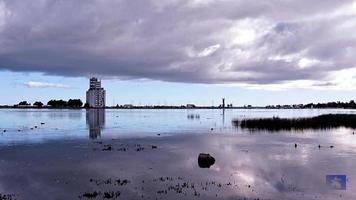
[(319, 122)]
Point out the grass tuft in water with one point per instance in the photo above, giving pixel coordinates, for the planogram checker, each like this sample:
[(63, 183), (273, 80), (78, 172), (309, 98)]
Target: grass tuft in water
[(327, 121)]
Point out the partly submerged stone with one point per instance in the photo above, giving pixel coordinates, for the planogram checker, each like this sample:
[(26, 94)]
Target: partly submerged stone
[(205, 160)]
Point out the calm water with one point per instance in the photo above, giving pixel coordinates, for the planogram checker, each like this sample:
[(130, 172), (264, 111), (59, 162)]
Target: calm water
[(80, 124), (68, 155)]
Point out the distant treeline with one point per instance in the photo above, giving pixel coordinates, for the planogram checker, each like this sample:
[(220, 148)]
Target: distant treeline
[(71, 103), (319, 122), (351, 104)]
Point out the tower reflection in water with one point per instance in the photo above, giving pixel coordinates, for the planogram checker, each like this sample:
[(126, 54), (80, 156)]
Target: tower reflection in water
[(95, 122)]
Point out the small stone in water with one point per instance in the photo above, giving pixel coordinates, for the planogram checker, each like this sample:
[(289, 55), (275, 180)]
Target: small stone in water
[(205, 160)]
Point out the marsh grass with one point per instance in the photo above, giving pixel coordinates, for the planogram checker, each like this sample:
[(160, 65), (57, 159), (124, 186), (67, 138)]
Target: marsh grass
[(327, 121)]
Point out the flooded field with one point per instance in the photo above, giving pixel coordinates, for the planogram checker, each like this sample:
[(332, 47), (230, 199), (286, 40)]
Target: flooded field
[(153, 154)]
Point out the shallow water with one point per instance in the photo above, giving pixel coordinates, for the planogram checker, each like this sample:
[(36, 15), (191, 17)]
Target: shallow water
[(69, 155), (64, 124)]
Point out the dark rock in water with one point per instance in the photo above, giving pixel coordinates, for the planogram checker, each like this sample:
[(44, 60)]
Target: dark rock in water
[(140, 149), (42, 123), (90, 195), (108, 195), (319, 146), (154, 147), (212, 129), (122, 149), (35, 126), (4, 131), (295, 145), (107, 148), (158, 134), (7, 196), (331, 146), (205, 160)]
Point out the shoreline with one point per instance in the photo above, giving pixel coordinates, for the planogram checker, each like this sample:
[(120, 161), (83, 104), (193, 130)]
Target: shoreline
[(172, 108)]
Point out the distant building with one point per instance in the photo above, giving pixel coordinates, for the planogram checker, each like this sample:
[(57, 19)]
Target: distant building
[(95, 94), (128, 106), (190, 106)]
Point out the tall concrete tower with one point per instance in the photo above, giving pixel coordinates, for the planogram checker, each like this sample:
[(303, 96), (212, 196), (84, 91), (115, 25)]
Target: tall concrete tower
[(95, 94)]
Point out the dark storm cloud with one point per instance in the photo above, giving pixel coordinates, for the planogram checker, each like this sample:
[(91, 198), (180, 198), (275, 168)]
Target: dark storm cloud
[(196, 41)]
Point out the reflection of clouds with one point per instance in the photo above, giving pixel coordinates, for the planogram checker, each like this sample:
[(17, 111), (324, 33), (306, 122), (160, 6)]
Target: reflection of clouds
[(59, 114), (269, 158), (285, 185), (263, 166), (280, 157), (23, 113), (37, 114), (95, 119), (344, 137), (246, 177), (304, 155), (75, 115)]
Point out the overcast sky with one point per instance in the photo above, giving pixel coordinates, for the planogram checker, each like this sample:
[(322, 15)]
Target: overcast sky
[(238, 45)]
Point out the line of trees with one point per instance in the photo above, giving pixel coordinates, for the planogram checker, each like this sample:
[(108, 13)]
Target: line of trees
[(348, 105), (338, 104), (24, 103), (71, 103)]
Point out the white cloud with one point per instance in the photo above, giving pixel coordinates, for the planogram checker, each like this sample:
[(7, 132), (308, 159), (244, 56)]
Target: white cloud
[(306, 62), (209, 51), (197, 3), (35, 84), (246, 31)]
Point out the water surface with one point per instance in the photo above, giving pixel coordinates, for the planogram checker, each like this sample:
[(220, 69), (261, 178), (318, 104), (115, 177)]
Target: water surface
[(68, 155)]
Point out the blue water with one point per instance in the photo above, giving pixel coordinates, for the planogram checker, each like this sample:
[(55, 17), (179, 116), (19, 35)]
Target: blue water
[(67, 124), (59, 157)]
